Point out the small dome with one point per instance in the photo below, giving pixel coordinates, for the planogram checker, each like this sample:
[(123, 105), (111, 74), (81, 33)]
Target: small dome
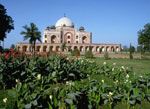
[(64, 21), (81, 28)]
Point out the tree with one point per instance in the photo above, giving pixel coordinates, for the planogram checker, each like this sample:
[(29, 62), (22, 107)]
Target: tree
[(132, 48), (131, 51), (12, 46), (32, 33), (144, 37), (125, 48), (6, 23)]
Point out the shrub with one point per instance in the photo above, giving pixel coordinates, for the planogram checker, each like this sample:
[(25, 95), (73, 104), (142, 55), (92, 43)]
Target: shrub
[(88, 54), (75, 52), (106, 56), (131, 55)]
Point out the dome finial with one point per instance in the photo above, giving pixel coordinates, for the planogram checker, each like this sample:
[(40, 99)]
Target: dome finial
[(64, 14)]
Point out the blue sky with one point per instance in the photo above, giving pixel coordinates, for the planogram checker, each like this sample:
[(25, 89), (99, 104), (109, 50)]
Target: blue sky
[(110, 21)]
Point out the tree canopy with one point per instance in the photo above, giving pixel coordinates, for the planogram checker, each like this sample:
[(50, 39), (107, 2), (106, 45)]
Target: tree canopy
[(6, 23), (144, 37), (32, 33)]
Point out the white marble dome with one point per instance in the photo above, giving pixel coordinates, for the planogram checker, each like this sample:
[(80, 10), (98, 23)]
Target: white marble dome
[(64, 21)]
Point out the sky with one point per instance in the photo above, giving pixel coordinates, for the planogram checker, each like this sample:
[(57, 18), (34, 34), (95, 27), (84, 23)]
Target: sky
[(110, 21)]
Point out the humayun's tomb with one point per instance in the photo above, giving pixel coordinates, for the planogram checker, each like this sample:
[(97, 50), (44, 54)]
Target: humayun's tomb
[(64, 32)]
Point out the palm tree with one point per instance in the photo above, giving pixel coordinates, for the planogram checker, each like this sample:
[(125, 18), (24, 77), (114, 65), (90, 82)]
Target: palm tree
[(32, 33)]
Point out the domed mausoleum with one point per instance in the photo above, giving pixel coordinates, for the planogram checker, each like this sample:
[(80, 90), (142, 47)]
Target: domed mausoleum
[(64, 32), (64, 21)]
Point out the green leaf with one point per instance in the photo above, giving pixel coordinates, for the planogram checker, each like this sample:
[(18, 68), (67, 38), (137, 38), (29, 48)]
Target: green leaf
[(136, 91), (12, 93), (118, 97), (28, 106), (23, 73), (69, 101), (139, 99), (105, 101), (72, 75), (35, 103), (55, 102), (148, 84), (72, 96), (132, 102), (54, 74), (49, 106), (34, 95)]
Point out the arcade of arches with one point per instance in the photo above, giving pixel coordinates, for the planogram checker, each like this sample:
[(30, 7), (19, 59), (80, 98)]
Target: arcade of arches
[(81, 47)]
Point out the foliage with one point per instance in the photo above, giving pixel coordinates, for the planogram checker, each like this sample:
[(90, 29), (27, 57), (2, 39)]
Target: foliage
[(62, 82), (125, 48), (106, 56), (12, 46), (144, 37), (75, 52), (139, 49), (1, 49), (131, 51), (6, 23), (32, 33), (88, 54)]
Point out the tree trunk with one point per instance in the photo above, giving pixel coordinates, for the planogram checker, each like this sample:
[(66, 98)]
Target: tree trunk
[(34, 48)]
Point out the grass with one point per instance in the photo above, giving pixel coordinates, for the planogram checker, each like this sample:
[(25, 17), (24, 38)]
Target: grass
[(139, 66)]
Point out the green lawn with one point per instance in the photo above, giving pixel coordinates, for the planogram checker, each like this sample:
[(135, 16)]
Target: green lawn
[(139, 66)]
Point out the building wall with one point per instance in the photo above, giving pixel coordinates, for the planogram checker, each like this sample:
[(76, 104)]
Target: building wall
[(66, 35)]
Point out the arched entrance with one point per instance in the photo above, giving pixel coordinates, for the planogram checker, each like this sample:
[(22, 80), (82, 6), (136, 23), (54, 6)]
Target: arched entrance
[(81, 49), (68, 37), (102, 49), (51, 48), (44, 48), (117, 49), (97, 49), (38, 48), (112, 49), (107, 48), (24, 48), (53, 39), (57, 48), (84, 39)]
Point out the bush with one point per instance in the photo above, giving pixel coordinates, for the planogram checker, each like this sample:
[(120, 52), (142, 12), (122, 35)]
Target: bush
[(89, 54), (75, 52), (131, 55), (106, 56)]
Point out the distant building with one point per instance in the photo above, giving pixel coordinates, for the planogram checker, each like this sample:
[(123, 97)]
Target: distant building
[(64, 32)]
